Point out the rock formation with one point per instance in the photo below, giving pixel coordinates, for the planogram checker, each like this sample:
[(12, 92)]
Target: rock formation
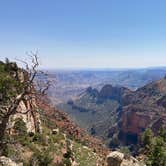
[(27, 109), (118, 159), (145, 108), (4, 161)]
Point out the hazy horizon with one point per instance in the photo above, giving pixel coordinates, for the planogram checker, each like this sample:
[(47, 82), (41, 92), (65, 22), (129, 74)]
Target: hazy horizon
[(82, 68), (105, 69)]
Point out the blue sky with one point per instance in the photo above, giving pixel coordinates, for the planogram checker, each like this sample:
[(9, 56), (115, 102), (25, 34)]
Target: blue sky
[(85, 33)]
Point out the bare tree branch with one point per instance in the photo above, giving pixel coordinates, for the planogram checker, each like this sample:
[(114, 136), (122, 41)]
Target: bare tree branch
[(32, 88)]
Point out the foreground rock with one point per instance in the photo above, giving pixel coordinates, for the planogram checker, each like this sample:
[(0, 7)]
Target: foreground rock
[(118, 159), (4, 161), (115, 158)]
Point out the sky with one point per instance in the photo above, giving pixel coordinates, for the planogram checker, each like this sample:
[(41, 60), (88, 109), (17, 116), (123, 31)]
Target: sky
[(85, 33)]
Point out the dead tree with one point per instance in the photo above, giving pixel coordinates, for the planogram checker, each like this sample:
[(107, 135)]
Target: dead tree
[(27, 92)]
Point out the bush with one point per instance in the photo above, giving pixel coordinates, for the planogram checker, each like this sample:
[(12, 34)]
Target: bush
[(41, 158), (66, 162), (147, 138), (20, 127), (31, 134), (8, 151), (39, 138), (157, 156), (9, 85), (155, 148), (125, 150)]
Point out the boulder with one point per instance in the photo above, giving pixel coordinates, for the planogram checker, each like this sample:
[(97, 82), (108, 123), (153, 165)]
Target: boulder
[(131, 162), (4, 161), (118, 159), (55, 131), (115, 158)]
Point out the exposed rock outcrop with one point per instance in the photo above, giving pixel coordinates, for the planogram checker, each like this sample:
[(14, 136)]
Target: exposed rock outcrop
[(27, 111), (145, 108), (4, 161), (27, 108), (118, 159), (115, 158)]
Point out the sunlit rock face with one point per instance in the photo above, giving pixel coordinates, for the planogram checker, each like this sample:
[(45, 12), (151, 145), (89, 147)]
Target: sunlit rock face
[(27, 108), (132, 125), (145, 108), (4, 161), (28, 114), (119, 159), (115, 158)]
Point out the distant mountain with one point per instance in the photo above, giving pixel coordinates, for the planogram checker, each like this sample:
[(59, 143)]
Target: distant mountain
[(69, 84), (119, 115)]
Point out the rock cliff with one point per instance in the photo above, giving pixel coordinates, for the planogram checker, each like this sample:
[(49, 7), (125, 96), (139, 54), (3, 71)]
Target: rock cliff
[(27, 108), (144, 108)]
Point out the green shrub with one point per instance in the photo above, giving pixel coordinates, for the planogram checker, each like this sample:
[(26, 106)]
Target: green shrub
[(157, 155), (31, 134), (39, 138), (66, 162), (125, 150), (10, 86), (8, 151), (41, 158), (147, 138), (155, 148), (20, 127)]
